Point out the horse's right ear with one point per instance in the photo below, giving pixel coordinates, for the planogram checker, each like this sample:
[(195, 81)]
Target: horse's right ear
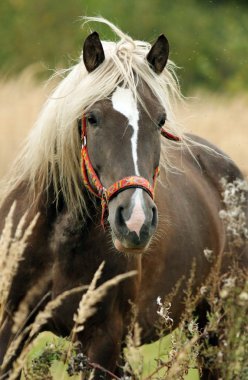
[(93, 53)]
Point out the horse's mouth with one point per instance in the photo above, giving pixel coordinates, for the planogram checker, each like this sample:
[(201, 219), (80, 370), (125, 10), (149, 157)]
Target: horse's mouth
[(126, 248)]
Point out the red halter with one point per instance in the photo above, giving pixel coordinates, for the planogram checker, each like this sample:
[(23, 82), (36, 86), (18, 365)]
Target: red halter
[(94, 185)]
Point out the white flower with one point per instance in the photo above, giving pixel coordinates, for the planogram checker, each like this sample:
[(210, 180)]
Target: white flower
[(208, 253), (163, 311), (203, 290), (243, 296), (233, 215)]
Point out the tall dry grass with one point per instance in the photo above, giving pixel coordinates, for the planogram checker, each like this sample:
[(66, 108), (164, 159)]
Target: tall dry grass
[(21, 99), (12, 247), (222, 120)]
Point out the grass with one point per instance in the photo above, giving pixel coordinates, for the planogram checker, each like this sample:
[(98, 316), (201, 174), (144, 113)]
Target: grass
[(160, 349), (151, 353), (222, 120)]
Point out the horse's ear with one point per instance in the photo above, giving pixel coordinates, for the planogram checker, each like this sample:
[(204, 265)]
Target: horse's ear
[(93, 53), (158, 55)]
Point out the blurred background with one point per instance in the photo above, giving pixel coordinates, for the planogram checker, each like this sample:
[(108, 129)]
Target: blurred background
[(208, 42)]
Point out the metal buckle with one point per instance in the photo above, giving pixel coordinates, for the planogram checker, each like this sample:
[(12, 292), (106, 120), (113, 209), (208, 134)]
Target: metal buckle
[(84, 142), (104, 193)]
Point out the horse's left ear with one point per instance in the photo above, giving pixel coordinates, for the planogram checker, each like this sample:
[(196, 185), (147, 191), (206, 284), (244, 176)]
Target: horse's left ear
[(158, 55), (93, 53)]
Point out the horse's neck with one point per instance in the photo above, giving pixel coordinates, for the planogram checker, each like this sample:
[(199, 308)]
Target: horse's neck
[(26, 204), (53, 212), (73, 234)]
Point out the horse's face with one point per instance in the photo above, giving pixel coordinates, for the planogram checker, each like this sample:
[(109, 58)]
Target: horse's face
[(123, 140)]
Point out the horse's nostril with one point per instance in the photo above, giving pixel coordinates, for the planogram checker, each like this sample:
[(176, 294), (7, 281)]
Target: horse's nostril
[(119, 218), (154, 217)]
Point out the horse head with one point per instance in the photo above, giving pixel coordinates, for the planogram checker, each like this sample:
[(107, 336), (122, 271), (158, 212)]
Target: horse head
[(121, 137)]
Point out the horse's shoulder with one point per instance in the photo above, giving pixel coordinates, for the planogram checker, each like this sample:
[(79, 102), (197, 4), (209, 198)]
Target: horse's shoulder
[(212, 162)]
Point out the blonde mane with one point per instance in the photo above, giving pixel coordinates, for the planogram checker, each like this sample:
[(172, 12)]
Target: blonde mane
[(51, 154)]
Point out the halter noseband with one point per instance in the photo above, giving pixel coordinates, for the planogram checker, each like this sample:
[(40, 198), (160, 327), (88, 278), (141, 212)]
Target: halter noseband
[(92, 181)]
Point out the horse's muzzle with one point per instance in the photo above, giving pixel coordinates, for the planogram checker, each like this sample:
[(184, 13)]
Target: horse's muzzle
[(133, 220)]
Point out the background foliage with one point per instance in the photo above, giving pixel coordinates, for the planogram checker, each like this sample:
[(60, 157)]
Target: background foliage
[(208, 38)]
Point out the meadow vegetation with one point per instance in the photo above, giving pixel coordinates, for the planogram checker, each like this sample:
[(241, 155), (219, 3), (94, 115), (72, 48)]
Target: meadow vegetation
[(208, 39)]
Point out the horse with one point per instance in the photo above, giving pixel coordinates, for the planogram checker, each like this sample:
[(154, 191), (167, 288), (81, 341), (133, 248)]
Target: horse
[(114, 179)]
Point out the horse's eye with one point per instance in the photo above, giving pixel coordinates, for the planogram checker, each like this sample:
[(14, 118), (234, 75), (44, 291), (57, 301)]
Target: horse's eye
[(92, 120), (162, 120)]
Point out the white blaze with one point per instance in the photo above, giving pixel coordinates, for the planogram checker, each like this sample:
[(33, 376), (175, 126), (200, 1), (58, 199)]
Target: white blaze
[(138, 217), (124, 102)]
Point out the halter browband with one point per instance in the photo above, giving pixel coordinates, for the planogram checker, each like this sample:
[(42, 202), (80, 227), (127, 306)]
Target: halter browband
[(92, 181)]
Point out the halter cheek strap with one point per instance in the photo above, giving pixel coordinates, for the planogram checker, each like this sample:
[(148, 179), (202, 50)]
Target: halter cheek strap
[(93, 184)]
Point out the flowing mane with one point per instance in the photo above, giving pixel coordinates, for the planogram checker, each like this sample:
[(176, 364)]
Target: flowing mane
[(51, 154)]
